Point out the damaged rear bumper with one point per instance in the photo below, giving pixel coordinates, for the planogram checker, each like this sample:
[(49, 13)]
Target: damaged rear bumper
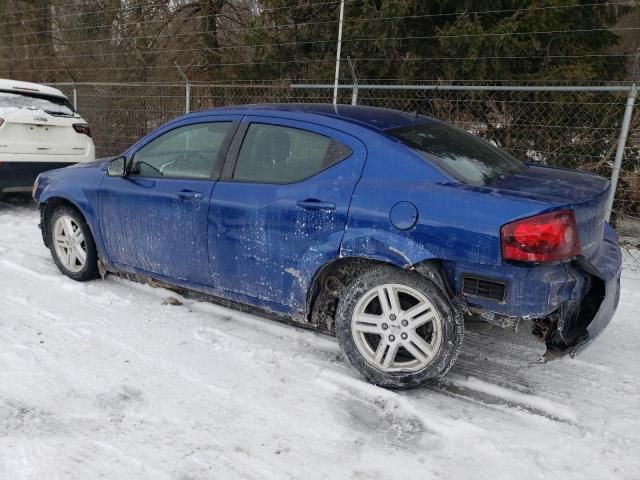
[(581, 321)]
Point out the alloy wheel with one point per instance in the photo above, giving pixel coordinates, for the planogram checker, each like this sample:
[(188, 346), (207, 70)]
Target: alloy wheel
[(69, 243), (396, 328)]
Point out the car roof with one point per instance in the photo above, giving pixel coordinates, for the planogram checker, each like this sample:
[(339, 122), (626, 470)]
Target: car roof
[(28, 87), (372, 117)]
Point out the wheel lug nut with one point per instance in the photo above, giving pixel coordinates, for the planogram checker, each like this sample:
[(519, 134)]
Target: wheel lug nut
[(404, 336), (405, 323), (391, 338), (385, 326), (392, 317)]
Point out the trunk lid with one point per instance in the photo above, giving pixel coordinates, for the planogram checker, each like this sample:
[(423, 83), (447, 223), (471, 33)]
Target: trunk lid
[(34, 131), (583, 193)]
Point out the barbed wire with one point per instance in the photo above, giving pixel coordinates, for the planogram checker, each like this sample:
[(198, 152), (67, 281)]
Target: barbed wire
[(348, 40), (327, 60), (47, 7), (347, 20), (138, 7), (84, 3), (182, 19)]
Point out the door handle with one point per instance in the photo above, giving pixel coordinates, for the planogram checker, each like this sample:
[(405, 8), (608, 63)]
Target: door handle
[(313, 204), (189, 195)]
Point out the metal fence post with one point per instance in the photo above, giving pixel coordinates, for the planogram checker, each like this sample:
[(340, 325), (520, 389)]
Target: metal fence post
[(354, 94), (187, 88), (339, 47), (187, 101), (622, 140), (75, 98)]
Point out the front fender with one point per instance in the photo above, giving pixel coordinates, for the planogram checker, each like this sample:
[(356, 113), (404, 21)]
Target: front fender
[(385, 246), (84, 200)]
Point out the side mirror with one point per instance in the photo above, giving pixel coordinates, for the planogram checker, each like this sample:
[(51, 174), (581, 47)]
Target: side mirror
[(117, 167)]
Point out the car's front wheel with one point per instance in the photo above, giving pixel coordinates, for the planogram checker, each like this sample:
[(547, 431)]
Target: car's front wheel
[(71, 244), (398, 328)]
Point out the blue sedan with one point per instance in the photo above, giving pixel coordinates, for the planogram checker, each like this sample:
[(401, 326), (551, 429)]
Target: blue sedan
[(386, 228)]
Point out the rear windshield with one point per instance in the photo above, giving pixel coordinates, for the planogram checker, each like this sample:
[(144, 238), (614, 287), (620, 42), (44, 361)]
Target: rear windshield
[(51, 105), (464, 156)]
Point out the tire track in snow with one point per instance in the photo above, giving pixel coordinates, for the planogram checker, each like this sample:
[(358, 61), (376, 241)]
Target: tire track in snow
[(394, 411), (489, 394)]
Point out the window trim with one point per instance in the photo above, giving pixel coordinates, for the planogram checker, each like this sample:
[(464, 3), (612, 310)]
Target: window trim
[(219, 162), (234, 151)]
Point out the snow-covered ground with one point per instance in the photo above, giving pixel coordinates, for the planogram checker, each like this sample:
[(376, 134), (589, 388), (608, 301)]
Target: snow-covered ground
[(101, 380)]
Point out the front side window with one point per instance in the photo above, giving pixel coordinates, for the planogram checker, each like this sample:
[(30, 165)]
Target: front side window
[(191, 151), (277, 154), (464, 156)]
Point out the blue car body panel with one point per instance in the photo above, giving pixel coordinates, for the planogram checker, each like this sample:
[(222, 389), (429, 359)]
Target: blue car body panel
[(79, 185), (608, 266), (138, 211), (264, 244), (290, 235)]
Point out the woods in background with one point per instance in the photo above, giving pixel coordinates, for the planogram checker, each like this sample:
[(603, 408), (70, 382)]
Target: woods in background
[(282, 40), (254, 49)]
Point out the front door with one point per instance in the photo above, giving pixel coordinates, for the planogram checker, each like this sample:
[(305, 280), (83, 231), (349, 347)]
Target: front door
[(280, 212), (155, 218)]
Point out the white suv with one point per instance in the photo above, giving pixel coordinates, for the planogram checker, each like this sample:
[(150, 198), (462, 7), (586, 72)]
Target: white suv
[(39, 131)]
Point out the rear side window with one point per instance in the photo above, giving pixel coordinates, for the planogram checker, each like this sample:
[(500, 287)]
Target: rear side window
[(277, 154), (464, 156), (51, 105), (191, 151)]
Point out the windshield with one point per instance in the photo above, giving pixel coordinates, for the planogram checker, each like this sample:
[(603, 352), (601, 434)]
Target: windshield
[(464, 156), (51, 105)]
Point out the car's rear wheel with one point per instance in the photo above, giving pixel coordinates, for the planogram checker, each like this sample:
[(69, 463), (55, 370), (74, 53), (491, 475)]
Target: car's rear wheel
[(72, 245), (398, 328)]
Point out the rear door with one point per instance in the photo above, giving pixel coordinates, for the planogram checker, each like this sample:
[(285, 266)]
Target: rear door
[(279, 212), (155, 219)]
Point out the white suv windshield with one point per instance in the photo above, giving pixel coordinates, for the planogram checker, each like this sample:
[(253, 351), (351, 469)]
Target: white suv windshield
[(464, 156), (51, 105)]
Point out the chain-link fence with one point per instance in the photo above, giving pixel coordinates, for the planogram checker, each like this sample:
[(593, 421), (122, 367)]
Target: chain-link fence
[(571, 127)]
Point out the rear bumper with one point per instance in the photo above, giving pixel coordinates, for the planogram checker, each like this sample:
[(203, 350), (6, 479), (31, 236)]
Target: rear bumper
[(606, 267), (577, 323), (604, 315), (568, 304)]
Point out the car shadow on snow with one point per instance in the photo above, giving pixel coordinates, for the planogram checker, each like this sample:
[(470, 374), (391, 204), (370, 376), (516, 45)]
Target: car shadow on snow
[(12, 200)]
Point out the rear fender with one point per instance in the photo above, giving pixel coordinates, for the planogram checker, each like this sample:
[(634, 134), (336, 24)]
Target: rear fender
[(387, 247), (357, 255)]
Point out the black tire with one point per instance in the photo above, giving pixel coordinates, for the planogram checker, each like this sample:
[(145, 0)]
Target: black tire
[(89, 270), (451, 331)]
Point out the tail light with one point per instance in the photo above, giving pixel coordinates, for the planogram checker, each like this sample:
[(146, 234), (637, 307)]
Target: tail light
[(82, 128), (544, 238)]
